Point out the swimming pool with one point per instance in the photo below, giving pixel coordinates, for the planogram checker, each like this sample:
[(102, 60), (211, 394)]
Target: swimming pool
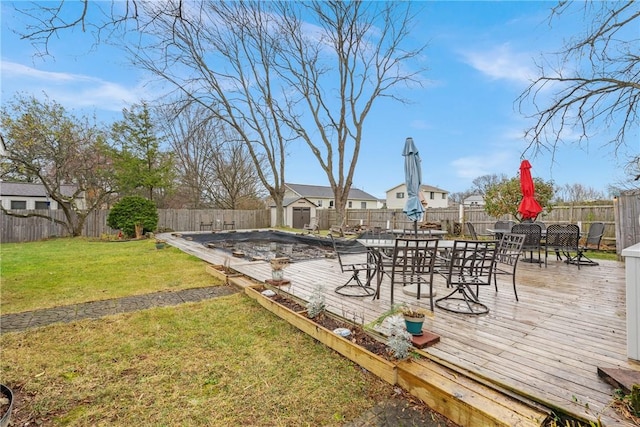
[(266, 244)]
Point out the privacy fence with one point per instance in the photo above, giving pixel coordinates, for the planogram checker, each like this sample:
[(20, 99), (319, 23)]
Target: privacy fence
[(34, 228), (621, 219)]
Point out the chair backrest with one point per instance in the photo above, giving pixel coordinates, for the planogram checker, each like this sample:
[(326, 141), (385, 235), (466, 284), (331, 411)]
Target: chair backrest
[(532, 233), (562, 237), (472, 262), (510, 248), (573, 237), (595, 234), (344, 250), (503, 225), (471, 230), (414, 256)]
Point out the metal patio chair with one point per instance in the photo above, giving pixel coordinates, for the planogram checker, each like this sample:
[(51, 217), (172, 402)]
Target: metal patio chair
[(563, 240), (532, 240), (594, 237), (507, 256), (413, 263), (354, 287), (471, 265)]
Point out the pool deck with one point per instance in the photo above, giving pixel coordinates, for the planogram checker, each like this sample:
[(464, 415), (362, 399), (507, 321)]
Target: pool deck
[(545, 348)]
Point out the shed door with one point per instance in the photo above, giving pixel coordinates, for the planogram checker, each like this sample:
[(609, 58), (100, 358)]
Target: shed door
[(301, 216)]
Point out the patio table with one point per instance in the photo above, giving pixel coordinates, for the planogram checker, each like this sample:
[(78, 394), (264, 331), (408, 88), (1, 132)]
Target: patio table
[(377, 250)]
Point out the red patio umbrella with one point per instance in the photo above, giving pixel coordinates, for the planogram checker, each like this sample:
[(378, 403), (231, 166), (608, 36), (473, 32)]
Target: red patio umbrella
[(529, 207)]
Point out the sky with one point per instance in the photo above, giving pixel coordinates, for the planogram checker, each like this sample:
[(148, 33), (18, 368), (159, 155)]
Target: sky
[(464, 120)]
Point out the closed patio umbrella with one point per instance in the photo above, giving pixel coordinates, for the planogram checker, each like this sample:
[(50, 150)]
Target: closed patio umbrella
[(529, 207), (413, 180)]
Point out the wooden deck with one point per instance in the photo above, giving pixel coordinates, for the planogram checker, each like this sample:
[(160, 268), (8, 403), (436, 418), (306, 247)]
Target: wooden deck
[(546, 347)]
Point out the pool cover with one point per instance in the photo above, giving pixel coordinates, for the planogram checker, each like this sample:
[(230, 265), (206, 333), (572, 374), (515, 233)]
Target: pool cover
[(268, 244)]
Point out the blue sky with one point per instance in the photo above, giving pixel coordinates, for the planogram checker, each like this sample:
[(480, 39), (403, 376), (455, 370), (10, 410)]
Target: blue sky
[(464, 120)]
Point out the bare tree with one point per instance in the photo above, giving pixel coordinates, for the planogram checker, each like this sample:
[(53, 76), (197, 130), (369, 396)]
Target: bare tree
[(236, 184), (573, 193), (482, 183), (269, 74), (47, 145), (595, 81), (340, 58), (192, 135)]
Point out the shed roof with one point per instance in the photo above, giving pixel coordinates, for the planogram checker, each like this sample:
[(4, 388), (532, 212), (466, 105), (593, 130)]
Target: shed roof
[(323, 192)]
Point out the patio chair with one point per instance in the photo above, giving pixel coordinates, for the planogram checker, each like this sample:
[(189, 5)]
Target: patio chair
[(563, 240), (507, 255), (312, 227), (354, 287), (471, 265), (413, 264), (593, 238), (471, 230), (532, 240), (502, 225)]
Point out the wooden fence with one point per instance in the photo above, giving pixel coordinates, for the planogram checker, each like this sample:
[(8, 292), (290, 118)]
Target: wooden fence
[(450, 218), (627, 214), (621, 219), (31, 229)]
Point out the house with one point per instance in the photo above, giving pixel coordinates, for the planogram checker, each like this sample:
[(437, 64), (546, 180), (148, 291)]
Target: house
[(473, 200), (26, 195), (301, 202), (433, 196)]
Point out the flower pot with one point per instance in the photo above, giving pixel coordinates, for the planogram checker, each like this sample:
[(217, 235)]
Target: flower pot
[(5, 416), (414, 324), (277, 274), (160, 245)]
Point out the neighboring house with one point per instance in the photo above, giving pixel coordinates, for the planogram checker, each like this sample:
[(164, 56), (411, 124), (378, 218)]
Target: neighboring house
[(301, 202), (433, 196), (24, 195), (323, 197), (474, 200)]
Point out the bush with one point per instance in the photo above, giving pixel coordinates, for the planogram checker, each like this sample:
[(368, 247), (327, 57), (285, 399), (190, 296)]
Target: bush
[(132, 210)]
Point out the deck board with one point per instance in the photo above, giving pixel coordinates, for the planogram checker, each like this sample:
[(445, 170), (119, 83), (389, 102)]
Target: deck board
[(547, 346)]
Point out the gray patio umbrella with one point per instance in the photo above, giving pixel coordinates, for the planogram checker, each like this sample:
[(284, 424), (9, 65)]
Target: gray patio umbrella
[(413, 179)]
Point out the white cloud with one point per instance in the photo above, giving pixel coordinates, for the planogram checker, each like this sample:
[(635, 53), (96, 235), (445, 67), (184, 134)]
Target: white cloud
[(502, 63), (471, 167), (69, 89)]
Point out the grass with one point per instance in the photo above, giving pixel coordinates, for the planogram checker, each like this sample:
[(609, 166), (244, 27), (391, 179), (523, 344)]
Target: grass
[(220, 362), (67, 271)]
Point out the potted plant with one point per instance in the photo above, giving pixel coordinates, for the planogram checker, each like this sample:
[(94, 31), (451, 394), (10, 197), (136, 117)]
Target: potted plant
[(413, 319), (160, 244), (6, 405), (277, 267)]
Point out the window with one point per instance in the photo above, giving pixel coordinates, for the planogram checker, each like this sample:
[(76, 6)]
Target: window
[(42, 205), (432, 195), (400, 195), (319, 203), (18, 204), (444, 196), (363, 205), (330, 203), (350, 204)]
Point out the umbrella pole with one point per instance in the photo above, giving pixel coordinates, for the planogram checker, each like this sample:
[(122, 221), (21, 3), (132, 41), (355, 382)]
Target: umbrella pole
[(415, 228)]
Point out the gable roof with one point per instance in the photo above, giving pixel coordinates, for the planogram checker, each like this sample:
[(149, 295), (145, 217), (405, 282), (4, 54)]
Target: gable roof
[(29, 189), (322, 192), (423, 187)]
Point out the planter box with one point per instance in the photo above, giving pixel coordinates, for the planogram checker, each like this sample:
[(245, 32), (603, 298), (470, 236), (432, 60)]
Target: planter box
[(372, 362), (219, 272)]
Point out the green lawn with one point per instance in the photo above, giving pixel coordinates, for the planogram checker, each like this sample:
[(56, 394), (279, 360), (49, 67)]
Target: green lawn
[(221, 362), (67, 271)]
